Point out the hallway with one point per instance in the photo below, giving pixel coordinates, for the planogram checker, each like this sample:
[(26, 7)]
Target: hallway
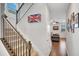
[(59, 48), (27, 29)]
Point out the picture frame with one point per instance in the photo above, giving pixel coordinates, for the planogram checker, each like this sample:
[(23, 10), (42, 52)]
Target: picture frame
[(55, 28), (63, 27), (68, 25), (72, 22), (76, 21)]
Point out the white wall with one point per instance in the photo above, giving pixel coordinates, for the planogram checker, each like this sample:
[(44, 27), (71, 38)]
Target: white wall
[(3, 51), (72, 41), (37, 33)]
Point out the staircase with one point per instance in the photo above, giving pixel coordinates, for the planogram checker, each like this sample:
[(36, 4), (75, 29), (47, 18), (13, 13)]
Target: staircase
[(14, 42)]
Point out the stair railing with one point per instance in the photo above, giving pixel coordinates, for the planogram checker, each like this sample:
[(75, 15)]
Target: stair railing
[(14, 42)]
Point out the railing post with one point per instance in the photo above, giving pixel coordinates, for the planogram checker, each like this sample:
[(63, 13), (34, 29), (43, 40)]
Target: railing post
[(29, 48)]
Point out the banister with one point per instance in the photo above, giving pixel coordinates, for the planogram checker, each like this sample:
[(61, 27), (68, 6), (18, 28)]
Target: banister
[(5, 17), (12, 47), (20, 7)]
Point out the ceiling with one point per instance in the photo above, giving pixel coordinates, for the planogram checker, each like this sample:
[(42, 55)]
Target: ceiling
[(58, 11)]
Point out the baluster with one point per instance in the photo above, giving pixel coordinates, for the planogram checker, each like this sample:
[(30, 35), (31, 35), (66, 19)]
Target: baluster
[(26, 49), (11, 41), (4, 29), (18, 43), (14, 46), (5, 32), (8, 34), (23, 48), (29, 48)]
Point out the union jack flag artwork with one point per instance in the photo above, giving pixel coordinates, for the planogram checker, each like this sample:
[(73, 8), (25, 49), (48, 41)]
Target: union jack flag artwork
[(34, 18)]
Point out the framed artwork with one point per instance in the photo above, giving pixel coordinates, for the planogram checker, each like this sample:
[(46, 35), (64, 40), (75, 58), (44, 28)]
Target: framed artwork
[(63, 27), (76, 21), (35, 18), (67, 25), (55, 27), (72, 23)]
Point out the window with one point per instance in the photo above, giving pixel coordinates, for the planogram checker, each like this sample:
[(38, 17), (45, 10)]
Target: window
[(11, 7)]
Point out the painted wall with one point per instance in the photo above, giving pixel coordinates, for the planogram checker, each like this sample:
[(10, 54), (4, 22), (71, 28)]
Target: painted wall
[(72, 40), (37, 33), (3, 51)]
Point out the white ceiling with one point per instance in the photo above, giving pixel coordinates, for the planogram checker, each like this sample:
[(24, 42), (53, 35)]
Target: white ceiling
[(58, 11)]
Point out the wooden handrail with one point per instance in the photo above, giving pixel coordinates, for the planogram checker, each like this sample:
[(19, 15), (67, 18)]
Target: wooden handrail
[(5, 18)]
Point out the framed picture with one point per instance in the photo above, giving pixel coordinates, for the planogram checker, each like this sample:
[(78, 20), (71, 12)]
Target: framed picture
[(76, 21), (55, 27), (72, 23), (63, 27), (35, 18), (67, 25)]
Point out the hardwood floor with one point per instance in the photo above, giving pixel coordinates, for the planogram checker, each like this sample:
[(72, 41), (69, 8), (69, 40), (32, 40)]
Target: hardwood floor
[(58, 48)]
